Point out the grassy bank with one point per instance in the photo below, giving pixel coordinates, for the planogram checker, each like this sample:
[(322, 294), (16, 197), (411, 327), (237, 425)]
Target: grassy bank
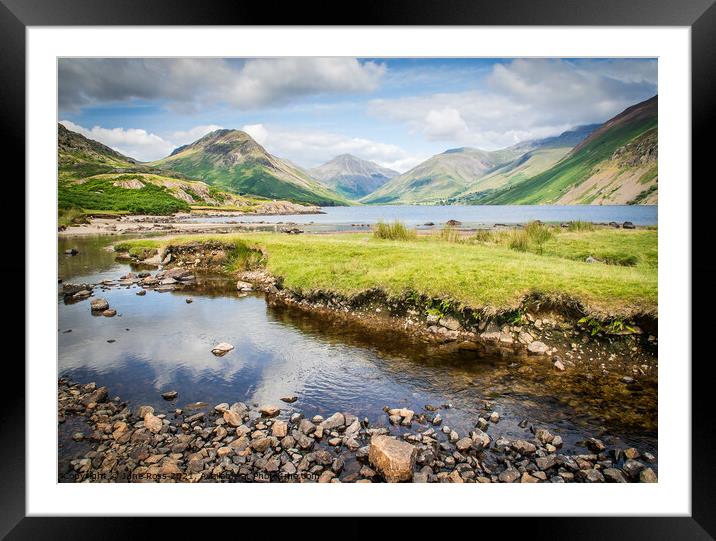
[(485, 275)]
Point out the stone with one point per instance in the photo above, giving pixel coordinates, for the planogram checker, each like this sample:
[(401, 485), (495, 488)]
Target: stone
[(527, 478), (450, 323), (394, 459), (189, 300), (232, 418), (221, 349), (289, 399), (334, 421), (109, 313), (523, 447), (463, 444), (153, 423), (143, 410), (595, 445), (269, 411), (592, 476), (170, 395), (545, 462), (494, 417), (99, 305), (631, 453), (613, 475), (244, 286), (525, 338), (437, 420), (558, 364), (279, 429), (647, 475), (510, 475), (537, 348), (141, 292)]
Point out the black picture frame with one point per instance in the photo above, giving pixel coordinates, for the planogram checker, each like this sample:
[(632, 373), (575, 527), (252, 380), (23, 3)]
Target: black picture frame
[(699, 15)]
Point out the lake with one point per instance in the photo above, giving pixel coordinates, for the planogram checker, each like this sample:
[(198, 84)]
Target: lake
[(470, 216)]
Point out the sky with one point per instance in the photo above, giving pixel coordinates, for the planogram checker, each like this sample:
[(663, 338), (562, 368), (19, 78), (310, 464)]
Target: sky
[(395, 112)]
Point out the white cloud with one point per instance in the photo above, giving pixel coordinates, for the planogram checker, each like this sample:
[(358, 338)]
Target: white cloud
[(524, 99), (189, 136), (312, 148), (257, 131), (188, 84), (140, 144), (135, 143)]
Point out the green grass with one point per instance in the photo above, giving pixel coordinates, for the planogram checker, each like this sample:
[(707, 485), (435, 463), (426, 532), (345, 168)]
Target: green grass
[(579, 225), (102, 194), (393, 231), (140, 248), (489, 276)]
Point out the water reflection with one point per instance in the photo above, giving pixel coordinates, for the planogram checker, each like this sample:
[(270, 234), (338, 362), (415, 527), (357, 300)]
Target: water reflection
[(162, 343)]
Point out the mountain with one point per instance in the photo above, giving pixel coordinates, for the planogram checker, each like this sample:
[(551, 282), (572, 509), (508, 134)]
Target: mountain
[(232, 160), (567, 139), (536, 156), (440, 177), (616, 164), (352, 177), (92, 176), (79, 156)]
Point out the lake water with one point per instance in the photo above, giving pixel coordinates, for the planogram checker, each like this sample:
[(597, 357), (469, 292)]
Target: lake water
[(470, 216), (162, 343)]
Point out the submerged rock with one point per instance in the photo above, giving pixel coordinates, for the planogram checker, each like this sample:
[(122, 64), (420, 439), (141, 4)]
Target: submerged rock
[(170, 395)]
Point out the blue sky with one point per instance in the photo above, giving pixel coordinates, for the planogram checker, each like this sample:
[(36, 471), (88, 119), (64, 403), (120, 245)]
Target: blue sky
[(396, 112)]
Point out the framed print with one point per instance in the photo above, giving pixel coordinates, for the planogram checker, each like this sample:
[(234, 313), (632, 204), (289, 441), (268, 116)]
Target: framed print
[(433, 257)]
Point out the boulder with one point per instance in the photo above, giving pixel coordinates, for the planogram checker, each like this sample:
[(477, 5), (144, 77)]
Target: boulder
[(244, 286), (395, 459)]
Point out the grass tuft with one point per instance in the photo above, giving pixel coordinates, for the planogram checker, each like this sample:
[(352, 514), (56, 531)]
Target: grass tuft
[(393, 231)]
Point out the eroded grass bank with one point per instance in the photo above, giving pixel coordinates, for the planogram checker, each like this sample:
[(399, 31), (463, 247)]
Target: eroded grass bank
[(485, 275)]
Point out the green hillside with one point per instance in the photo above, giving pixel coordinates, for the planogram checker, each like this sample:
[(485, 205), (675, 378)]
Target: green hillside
[(595, 157), (232, 160)]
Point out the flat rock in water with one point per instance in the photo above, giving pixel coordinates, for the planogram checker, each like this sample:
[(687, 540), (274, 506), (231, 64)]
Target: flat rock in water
[(289, 399), (99, 305), (170, 395), (269, 411), (109, 313), (221, 349)]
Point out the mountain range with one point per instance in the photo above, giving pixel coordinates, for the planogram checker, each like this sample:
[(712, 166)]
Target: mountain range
[(610, 163), (351, 176), (231, 159)]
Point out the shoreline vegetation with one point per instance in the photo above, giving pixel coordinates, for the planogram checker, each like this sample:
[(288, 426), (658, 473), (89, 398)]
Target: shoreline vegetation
[(597, 271)]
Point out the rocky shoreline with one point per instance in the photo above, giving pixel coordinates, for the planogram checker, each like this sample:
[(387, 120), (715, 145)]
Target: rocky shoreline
[(264, 443)]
